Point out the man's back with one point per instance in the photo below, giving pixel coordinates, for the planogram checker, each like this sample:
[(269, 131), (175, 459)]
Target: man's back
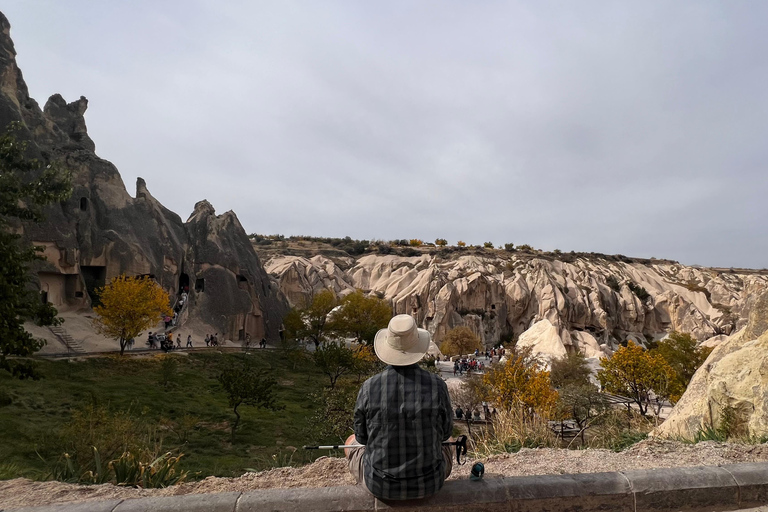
[(403, 415)]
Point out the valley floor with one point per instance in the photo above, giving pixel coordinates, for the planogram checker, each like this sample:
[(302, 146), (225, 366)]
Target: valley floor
[(331, 471)]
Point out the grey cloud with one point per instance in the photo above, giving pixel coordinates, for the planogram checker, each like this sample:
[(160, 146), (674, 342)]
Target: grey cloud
[(634, 128)]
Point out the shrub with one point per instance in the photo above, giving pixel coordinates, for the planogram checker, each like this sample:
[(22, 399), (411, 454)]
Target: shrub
[(104, 446), (333, 419), (415, 242), (639, 291), (488, 245), (9, 470), (5, 398), (509, 247), (168, 370), (461, 244), (612, 283), (126, 470)]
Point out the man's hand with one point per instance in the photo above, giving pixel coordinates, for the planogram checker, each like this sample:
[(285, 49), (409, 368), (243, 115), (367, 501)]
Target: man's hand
[(350, 440)]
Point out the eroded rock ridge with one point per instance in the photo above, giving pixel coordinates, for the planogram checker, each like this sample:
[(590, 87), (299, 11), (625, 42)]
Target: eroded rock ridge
[(102, 232), (590, 304)]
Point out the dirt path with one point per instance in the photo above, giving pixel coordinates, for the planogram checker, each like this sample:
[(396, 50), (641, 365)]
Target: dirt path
[(326, 472)]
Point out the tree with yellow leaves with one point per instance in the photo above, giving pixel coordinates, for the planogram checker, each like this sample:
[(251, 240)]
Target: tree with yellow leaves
[(128, 306), (638, 374), (459, 341), (366, 362), (521, 381)]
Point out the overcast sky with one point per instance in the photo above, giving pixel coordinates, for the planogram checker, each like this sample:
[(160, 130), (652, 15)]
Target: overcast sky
[(638, 128)]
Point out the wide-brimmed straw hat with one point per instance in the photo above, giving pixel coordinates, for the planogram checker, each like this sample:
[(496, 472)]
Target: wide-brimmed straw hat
[(401, 343)]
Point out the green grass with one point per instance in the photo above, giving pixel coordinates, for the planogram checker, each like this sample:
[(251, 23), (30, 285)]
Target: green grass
[(30, 425)]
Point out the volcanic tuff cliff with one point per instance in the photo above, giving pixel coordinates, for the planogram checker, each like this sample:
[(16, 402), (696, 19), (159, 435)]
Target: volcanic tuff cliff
[(730, 390), (101, 231), (591, 303)]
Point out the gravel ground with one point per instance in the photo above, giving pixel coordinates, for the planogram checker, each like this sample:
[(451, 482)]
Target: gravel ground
[(328, 471)]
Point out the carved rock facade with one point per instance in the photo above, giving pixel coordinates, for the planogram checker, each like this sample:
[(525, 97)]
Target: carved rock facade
[(102, 232)]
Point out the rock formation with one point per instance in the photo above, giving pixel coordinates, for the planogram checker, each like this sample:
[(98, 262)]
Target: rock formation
[(102, 232), (587, 303), (730, 387)]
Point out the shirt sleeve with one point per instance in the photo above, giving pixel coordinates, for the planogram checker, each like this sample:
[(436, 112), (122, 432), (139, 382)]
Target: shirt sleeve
[(361, 407), (446, 412)]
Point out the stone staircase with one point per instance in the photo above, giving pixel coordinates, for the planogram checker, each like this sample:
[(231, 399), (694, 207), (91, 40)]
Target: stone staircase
[(69, 342)]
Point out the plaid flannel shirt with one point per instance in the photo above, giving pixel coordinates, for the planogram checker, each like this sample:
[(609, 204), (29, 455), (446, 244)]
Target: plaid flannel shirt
[(402, 416)]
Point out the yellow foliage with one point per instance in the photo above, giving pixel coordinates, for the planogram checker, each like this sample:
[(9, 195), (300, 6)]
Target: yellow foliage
[(415, 242), (521, 382), (638, 374), (128, 306), (460, 341), (461, 244)]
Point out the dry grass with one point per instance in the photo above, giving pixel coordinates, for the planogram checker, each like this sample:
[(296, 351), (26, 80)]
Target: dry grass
[(514, 429)]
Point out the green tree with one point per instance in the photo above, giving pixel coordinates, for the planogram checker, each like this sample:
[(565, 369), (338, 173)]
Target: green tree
[(681, 352), (128, 306), (637, 374), (334, 417), (360, 317), (27, 185), (571, 369), (311, 321), (578, 397), (334, 359), (582, 403), (460, 340), (246, 385), (509, 247), (441, 242), (488, 245)]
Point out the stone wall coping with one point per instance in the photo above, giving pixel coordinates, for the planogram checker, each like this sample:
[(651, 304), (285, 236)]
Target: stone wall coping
[(711, 488)]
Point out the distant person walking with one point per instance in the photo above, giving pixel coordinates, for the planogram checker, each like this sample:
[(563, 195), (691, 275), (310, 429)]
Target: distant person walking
[(189, 341)]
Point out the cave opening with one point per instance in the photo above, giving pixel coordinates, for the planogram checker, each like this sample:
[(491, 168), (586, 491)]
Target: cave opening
[(95, 277), (183, 282)]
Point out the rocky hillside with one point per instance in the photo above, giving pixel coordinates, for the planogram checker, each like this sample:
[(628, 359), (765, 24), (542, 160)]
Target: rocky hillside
[(102, 232), (552, 302), (730, 390)]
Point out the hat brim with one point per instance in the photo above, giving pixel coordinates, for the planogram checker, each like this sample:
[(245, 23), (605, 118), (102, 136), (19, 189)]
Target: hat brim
[(396, 357)]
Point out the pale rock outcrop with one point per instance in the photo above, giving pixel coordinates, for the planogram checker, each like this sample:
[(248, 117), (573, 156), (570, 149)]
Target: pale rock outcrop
[(544, 340), (588, 345), (300, 278), (734, 378), (587, 300)]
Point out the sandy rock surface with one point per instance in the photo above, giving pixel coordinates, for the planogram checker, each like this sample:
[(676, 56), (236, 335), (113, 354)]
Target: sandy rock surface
[(327, 471)]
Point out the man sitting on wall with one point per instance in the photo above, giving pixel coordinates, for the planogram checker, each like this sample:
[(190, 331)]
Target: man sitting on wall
[(402, 416)]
